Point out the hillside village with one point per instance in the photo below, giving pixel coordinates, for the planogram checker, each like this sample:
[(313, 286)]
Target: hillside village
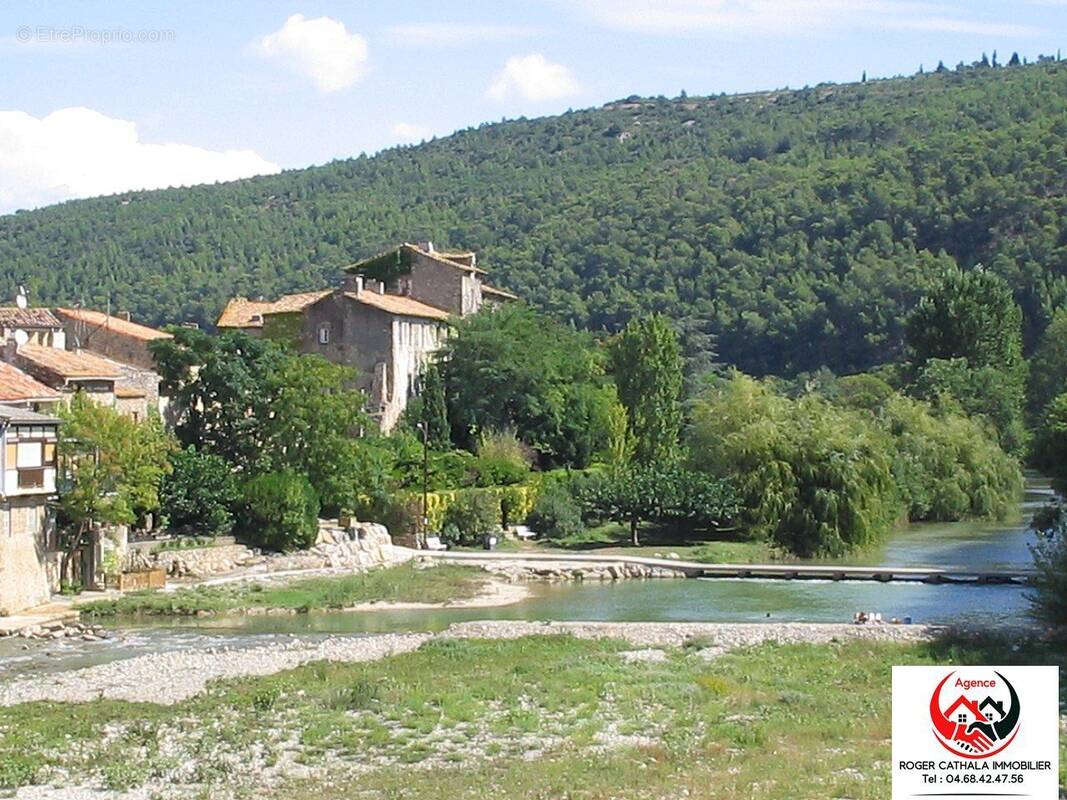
[(385, 321)]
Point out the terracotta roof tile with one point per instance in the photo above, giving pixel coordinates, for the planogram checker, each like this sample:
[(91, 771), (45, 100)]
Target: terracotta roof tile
[(12, 317), (241, 312), (100, 320), (65, 364), (395, 304), (16, 385)]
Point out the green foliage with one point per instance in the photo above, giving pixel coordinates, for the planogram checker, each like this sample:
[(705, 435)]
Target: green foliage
[(200, 493), (800, 226), (948, 466), (865, 391), (114, 463), (823, 478), (502, 460), (280, 511), (1049, 600), (985, 392), (1048, 366), (471, 515), (970, 315), (661, 493), (556, 515), (263, 409), (815, 479), (434, 408), (965, 339), (1050, 443), (518, 370), (646, 361)]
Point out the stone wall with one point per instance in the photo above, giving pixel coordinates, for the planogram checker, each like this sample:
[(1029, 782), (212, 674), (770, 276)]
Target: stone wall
[(23, 574), (361, 546)]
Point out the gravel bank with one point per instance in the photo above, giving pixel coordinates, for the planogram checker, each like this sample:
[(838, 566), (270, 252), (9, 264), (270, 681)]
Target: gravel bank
[(168, 678), (171, 677), (720, 636)]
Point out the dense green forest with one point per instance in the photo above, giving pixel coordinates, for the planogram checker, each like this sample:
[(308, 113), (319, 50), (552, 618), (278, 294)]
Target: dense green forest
[(792, 229)]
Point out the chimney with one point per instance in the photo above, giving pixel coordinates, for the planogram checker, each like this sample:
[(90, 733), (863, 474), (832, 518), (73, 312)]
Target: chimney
[(427, 246), (359, 284), (10, 350), (381, 287), (124, 315)]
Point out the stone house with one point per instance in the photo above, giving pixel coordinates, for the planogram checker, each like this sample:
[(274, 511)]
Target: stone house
[(386, 320), (29, 561), (115, 337), (40, 325), (69, 371)]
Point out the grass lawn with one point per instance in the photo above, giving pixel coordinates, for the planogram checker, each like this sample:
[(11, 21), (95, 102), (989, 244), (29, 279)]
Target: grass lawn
[(541, 717), (402, 583), (612, 538)]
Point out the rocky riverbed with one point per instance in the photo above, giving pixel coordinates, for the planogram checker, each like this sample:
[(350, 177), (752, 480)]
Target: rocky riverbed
[(171, 677)]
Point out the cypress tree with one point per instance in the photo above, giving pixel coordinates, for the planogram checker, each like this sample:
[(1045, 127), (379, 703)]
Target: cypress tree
[(646, 360)]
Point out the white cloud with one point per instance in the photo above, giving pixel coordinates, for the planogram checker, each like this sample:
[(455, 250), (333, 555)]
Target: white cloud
[(321, 49), (733, 18), (456, 34), (532, 77), (78, 152), (409, 132)]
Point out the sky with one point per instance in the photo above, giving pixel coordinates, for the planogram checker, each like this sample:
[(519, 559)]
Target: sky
[(105, 97)]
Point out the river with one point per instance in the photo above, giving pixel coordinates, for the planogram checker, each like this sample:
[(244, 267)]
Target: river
[(965, 545)]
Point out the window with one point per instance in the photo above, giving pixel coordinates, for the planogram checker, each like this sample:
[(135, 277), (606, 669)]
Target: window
[(31, 478), (49, 454), (29, 454), (324, 334)]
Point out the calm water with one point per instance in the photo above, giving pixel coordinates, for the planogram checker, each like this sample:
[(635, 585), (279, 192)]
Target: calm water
[(964, 545)]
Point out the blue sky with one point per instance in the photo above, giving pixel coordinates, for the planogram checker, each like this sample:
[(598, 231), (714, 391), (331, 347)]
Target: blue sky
[(97, 98)]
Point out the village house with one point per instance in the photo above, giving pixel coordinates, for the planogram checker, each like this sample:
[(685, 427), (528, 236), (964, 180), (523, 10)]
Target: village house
[(38, 326), (79, 350), (29, 558), (387, 318), (19, 390)]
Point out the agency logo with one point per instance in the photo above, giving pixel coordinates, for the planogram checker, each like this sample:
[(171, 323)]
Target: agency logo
[(975, 717)]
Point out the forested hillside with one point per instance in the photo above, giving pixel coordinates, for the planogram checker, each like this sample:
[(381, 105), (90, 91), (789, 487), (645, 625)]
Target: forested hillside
[(797, 227)]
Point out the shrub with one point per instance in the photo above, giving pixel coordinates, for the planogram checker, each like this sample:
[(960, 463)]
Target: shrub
[(281, 511), (472, 514), (556, 515), (1049, 600), (502, 459), (199, 495)]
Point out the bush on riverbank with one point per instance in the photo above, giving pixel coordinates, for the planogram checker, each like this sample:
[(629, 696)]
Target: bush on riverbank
[(281, 511)]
